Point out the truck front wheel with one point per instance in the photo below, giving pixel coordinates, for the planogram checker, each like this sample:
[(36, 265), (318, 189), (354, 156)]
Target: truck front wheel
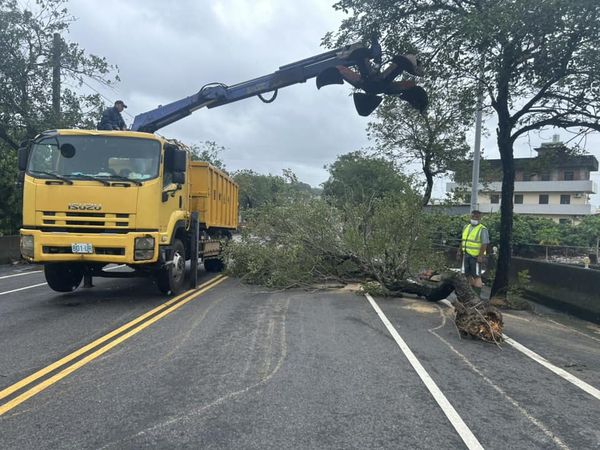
[(170, 278), (63, 277)]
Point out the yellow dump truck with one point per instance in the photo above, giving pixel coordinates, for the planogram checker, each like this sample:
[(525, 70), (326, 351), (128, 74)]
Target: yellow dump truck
[(93, 198)]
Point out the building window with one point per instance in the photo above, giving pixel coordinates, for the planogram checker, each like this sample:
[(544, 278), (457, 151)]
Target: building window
[(569, 175), (565, 199), (495, 198), (519, 199), (543, 199), (546, 176), (564, 221)]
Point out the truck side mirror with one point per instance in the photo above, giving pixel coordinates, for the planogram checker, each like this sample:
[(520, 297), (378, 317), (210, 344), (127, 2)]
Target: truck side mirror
[(175, 159), (180, 161), (178, 177), (23, 157)]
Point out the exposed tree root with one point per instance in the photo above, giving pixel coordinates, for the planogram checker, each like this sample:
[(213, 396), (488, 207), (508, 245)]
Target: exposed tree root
[(473, 318)]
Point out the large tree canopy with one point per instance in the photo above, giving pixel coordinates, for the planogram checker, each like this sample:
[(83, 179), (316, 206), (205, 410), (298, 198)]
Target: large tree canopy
[(537, 61), (28, 46)]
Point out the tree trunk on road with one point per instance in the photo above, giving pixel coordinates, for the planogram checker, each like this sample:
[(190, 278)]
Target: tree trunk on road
[(473, 318)]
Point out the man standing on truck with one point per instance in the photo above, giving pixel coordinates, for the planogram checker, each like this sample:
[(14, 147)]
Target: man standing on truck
[(112, 119), (473, 247)]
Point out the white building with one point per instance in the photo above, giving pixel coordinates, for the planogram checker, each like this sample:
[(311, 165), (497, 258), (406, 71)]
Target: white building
[(553, 184)]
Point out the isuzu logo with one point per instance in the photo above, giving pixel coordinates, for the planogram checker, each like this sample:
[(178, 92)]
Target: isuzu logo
[(84, 207)]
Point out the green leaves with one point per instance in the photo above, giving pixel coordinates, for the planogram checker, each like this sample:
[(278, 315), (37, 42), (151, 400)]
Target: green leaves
[(435, 140), (300, 240), (26, 45), (210, 152), (356, 178)]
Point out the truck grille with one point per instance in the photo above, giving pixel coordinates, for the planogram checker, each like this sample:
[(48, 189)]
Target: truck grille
[(88, 220)]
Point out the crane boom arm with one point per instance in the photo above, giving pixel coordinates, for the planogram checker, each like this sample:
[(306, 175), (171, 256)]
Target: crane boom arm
[(212, 95)]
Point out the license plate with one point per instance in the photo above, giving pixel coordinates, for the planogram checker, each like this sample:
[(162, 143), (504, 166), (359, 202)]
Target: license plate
[(82, 248)]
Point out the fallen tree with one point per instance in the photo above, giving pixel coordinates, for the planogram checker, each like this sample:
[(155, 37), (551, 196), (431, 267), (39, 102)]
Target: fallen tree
[(303, 241)]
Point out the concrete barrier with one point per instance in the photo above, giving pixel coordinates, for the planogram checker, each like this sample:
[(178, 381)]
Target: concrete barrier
[(9, 249), (575, 290)]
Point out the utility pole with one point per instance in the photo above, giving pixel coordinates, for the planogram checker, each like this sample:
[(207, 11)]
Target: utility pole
[(56, 53), (477, 146)]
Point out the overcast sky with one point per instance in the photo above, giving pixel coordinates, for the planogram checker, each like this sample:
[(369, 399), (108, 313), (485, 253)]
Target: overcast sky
[(168, 50)]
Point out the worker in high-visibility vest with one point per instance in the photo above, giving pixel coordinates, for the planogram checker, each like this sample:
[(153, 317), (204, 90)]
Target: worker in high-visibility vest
[(473, 248)]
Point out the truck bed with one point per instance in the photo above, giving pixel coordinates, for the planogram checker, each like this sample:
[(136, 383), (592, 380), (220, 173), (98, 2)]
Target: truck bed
[(214, 195)]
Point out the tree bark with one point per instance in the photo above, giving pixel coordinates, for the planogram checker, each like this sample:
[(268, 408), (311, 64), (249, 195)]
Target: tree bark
[(505, 145), (473, 317), (429, 185)]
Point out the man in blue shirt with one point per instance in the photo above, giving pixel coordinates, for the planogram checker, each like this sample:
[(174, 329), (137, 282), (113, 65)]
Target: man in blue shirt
[(112, 119)]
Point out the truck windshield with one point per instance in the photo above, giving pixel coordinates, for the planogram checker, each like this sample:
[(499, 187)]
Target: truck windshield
[(102, 157)]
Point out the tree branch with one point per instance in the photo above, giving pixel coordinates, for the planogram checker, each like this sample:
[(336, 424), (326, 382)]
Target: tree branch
[(525, 109), (555, 122)]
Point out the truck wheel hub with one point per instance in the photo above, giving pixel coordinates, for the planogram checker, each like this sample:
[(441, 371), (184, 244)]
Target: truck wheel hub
[(178, 266)]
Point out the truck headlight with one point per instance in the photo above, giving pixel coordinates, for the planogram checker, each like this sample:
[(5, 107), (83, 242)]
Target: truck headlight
[(27, 246), (144, 248)]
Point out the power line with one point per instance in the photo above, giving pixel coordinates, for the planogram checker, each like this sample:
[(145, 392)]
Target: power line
[(104, 96)]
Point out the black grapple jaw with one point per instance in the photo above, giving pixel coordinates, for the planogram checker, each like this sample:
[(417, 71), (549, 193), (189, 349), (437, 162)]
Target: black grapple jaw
[(362, 69), (365, 104)]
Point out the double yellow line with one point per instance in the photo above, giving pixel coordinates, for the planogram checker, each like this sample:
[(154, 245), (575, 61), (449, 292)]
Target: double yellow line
[(126, 331)]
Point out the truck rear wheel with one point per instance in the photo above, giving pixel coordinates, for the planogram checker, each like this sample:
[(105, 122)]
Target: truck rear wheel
[(214, 265), (170, 279), (63, 277)]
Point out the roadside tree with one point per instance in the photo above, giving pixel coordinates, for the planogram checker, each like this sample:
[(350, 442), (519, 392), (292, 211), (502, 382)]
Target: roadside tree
[(355, 178), (257, 190), (210, 152), (434, 139), (32, 58), (537, 62)]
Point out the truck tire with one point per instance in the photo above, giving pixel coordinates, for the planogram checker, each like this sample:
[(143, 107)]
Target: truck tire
[(170, 279), (63, 277), (214, 265)]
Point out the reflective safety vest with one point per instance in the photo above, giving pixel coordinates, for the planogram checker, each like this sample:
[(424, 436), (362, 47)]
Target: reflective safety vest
[(471, 239)]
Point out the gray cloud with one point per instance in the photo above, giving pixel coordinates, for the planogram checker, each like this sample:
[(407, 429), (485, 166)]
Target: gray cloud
[(169, 51), (166, 51)]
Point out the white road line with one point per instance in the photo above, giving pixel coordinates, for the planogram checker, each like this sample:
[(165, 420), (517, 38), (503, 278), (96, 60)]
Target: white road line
[(20, 274), (459, 425), (43, 284), (40, 271), (497, 388), (557, 370), (23, 288)]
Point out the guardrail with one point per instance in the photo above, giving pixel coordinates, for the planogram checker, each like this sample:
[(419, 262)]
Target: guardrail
[(568, 288)]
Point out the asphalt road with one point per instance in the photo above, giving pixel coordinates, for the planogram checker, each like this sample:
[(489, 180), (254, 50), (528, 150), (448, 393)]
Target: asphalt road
[(232, 366)]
